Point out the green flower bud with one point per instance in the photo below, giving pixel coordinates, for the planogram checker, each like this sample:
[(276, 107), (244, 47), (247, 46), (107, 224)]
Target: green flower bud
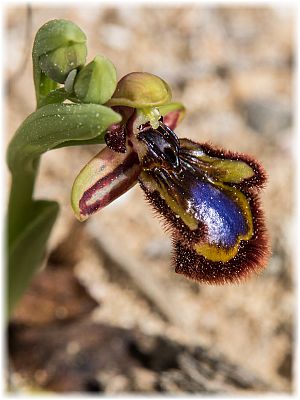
[(141, 90), (96, 82), (60, 46)]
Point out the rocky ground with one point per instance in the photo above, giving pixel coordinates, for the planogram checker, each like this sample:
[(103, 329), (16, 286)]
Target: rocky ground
[(107, 313)]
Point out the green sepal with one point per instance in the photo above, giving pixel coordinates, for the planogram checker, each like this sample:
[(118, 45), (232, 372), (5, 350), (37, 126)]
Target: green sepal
[(141, 90), (60, 46), (103, 179)]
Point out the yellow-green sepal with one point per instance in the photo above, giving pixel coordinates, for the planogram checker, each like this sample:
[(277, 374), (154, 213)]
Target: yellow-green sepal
[(141, 90)]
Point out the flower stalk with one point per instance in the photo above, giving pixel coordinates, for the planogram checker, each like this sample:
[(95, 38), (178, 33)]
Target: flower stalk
[(54, 124)]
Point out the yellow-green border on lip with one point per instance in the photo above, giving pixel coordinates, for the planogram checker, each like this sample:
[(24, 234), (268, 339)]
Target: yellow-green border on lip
[(139, 90)]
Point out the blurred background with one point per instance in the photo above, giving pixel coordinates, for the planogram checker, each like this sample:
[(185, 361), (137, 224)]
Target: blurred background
[(106, 313)]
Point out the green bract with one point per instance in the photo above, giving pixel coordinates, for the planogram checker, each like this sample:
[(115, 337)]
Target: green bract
[(96, 82), (55, 124)]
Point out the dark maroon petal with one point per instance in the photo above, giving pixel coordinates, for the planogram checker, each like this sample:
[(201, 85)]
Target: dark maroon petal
[(115, 138)]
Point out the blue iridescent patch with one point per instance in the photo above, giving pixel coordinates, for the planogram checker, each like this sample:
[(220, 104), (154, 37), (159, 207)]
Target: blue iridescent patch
[(222, 217)]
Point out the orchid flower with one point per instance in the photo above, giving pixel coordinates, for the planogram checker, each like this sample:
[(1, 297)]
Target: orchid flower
[(208, 197)]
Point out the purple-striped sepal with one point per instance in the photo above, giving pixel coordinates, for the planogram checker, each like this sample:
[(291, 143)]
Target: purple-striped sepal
[(106, 177)]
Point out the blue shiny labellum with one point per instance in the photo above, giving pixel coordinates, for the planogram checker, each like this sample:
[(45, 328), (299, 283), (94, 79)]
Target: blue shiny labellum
[(208, 198), (222, 217)]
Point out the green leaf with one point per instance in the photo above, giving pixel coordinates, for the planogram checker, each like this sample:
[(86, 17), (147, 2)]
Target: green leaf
[(27, 251), (55, 124)]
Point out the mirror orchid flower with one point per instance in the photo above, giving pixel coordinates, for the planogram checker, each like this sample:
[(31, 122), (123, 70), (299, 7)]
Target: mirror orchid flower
[(208, 197)]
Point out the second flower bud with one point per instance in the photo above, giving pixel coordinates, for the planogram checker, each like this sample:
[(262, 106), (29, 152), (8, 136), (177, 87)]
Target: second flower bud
[(96, 82)]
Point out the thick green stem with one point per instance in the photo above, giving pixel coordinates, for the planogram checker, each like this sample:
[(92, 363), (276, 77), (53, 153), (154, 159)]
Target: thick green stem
[(28, 228), (20, 206)]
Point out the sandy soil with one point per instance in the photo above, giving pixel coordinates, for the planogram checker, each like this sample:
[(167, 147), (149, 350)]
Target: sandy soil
[(233, 69)]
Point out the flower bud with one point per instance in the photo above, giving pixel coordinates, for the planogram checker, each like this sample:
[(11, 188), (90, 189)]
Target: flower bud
[(96, 82), (141, 90), (60, 47)]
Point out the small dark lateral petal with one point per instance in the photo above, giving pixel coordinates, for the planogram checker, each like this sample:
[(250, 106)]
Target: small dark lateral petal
[(115, 138)]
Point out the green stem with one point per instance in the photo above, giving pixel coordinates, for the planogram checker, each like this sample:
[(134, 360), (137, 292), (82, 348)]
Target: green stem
[(28, 228), (20, 206)]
